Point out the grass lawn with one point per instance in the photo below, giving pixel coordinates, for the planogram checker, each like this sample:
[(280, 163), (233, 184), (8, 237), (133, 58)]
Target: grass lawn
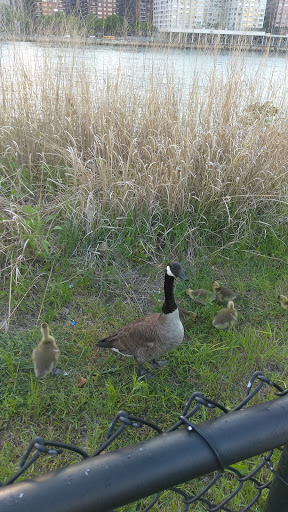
[(98, 301)]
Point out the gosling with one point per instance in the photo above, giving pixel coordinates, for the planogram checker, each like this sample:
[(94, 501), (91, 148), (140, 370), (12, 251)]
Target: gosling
[(200, 295), (226, 318), (223, 294), (283, 301), (186, 315), (45, 356)]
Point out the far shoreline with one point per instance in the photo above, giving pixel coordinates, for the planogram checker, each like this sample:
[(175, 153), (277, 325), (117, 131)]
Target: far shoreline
[(140, 42)]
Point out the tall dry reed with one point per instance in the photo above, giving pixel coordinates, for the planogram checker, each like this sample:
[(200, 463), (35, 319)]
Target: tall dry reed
[(102, 146)]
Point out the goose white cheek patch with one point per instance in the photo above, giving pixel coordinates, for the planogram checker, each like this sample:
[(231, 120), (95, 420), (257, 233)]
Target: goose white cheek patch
[(169, 273)]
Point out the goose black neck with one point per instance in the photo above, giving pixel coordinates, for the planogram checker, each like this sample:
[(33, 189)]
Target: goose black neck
[(169, 305)]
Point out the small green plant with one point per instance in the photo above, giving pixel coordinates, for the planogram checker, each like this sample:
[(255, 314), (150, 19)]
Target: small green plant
[(33, 402), (266, 111), (35, 232)]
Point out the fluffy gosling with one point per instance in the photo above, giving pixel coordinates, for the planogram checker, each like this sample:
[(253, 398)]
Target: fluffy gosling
[(226, 318), (283, 301), (186, 315), (200, 296), (223, 294), (45, 356)]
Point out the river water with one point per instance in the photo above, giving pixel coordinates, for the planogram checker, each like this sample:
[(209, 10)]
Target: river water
[(139, 65)]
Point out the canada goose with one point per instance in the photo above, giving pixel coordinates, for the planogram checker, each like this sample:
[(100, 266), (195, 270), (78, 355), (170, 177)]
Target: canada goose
[(200, 296), (223, 294), (226, 318), (152, 335), (283, 301), (186, 315), (46, 355)]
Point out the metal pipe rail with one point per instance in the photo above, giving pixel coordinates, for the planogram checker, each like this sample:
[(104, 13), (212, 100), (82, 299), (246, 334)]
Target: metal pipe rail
[(104, 482)]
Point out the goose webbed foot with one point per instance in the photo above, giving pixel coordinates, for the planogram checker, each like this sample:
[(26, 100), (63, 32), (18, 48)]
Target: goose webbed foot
[(56, 371), (156, 363), (143, 373)]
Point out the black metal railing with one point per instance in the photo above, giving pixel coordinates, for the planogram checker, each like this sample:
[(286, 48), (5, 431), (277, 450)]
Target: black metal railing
[(186, 451)]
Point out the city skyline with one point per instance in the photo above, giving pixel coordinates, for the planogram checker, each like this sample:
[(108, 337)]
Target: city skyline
[(173, 15)]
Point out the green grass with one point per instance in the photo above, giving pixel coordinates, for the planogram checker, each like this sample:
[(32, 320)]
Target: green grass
[(217, 363)]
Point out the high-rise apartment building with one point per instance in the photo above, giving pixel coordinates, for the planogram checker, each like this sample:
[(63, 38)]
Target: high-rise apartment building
[(214, 12), (50, 7), (46, 7), (92, 7), (72, 6), (136, 10), (245, 15), (276, 16), (146, 11), (178, 14), (219, 14), (100, 8)]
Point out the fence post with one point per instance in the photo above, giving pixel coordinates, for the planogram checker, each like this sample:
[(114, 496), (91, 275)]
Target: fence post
[(277, 500)]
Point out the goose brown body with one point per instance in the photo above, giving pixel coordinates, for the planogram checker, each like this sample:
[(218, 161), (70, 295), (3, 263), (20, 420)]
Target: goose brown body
[(152, 335), (222, 293), (147, 337), (226, 317), (45, 356)]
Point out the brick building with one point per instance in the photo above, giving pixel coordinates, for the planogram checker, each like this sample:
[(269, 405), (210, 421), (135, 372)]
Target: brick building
[(136, 10), (276, 16)]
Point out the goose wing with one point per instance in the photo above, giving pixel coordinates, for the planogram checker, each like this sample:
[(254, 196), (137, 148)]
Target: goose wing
[(129, 338)]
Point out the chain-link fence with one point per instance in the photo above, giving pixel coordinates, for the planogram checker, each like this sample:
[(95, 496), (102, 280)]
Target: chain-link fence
[(186, 451)]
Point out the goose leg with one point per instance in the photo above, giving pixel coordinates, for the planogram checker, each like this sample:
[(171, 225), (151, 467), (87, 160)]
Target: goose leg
[(156, 363)]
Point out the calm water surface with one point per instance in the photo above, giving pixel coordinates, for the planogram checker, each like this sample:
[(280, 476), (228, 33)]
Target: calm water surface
[(138, 66)]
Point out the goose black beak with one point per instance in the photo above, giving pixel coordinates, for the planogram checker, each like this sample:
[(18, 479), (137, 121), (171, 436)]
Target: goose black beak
[(182, 275)]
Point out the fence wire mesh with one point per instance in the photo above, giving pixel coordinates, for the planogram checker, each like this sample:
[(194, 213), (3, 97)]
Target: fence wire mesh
[(254, 473)]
